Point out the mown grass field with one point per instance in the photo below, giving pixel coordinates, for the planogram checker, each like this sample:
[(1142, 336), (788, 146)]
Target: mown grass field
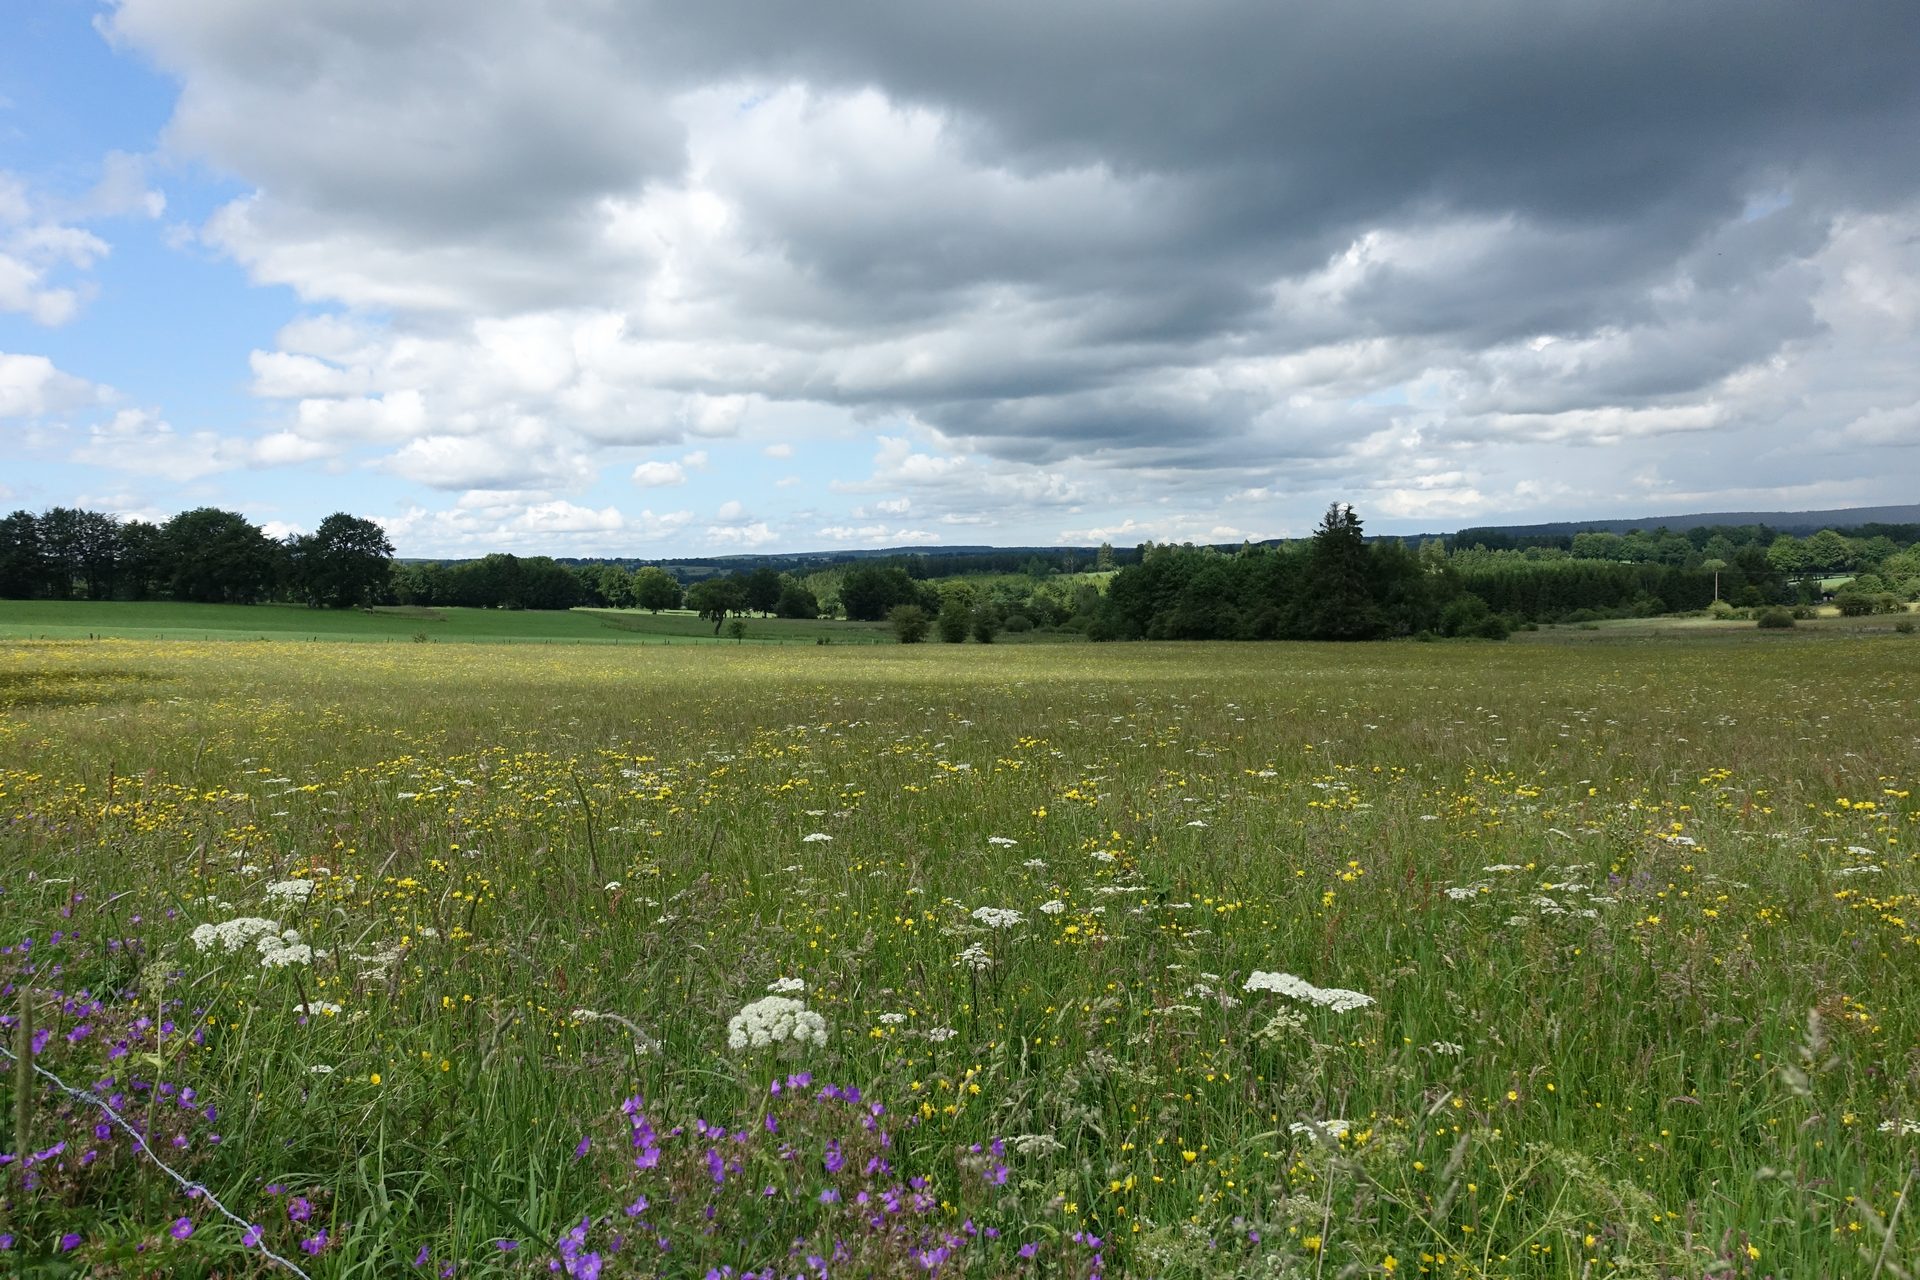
[(164, 620), (1635, 922)]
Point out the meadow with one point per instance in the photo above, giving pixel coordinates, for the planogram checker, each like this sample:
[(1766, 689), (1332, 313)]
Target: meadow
[(1465, 960)]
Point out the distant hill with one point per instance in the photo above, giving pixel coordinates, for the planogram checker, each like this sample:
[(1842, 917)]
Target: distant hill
[(1794, 522)]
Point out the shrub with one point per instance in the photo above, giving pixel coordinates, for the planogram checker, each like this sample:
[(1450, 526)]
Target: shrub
[(1853, 604), (1775, 618), (953, 622), (910, 623), (1721, 610), (1904, 626)]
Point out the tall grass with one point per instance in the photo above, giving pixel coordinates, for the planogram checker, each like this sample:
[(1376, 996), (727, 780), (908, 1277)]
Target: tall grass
[(1636, 921)]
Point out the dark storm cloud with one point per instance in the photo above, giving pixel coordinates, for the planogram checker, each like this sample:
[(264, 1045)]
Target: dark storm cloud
[(1103, 235)]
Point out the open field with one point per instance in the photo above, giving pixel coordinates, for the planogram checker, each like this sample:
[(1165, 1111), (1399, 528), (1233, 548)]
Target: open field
[(163, 620), (1632, 924)]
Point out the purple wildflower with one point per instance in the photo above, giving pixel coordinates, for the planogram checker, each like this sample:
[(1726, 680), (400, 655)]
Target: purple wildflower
[(181, 1228)]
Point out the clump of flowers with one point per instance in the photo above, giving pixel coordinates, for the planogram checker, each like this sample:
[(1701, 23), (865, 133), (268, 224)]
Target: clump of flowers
[(290, 892), (233, 935), (1338, 999), (775, 1020), (815, 1184), (998, 917)]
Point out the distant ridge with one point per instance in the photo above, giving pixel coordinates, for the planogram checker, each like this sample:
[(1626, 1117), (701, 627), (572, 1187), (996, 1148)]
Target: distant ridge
[(1795, 522)]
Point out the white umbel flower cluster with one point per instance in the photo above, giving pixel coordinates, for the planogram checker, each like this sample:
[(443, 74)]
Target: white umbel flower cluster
[(233, 935), (787, 986), (998, 917), (289, 892), (277, 949), (1332, 1128), (774, 1020), (1338, 999)]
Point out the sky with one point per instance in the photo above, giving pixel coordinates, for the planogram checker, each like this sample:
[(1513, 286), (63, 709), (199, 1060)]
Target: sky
[(612, 277)]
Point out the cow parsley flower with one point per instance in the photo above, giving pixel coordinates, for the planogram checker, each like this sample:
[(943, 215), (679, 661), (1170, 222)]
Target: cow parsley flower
[(233, 935), (772, 1020), (290, 892), (1053, 908), (277, 951), (975, 957), (1002, 840), (1338, 999), (998, 917), (1333, 1128), (783, 986), (817, 837)]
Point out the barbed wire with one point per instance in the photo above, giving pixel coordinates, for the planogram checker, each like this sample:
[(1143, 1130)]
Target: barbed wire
[(193, 1189)]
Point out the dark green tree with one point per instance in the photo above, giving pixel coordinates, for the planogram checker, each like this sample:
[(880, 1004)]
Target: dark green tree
[(760, 590), (346, 562), (1338, 601), (99, 552), (655, 589), (216, 556), (797, 601), (22, 568), (714, 599)]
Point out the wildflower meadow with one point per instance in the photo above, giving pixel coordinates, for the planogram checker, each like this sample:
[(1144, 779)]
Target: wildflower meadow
[(1537, 960)]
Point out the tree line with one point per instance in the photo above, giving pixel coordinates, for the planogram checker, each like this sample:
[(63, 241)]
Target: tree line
[(205, 555), (1337, 585)]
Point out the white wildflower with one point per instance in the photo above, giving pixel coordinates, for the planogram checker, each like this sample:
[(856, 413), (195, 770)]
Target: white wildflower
[(772, 1020), (1284, 1025), (1903, 1128), (940, 1035), (892, 1019), (232, 935), (1035, 864), (1053, 908), (1504, 866), (290, 892), (1101, 855), (320, 1069), (1447, 1048), (1036, 1144), (613, 886), (817, 837), (783, 986), (1461, 892), (327, 1007), (1870, 869), (975, 958), (998, 917), (1002, 840), (277, 951), (1332, 1128), (1339, 999)]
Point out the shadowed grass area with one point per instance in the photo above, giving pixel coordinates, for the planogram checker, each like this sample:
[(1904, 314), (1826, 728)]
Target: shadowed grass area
[(1634, 923)]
